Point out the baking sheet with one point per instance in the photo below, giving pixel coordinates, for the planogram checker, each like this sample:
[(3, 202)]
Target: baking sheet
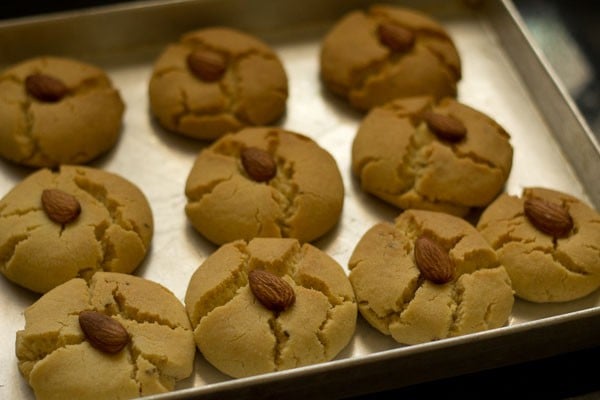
[(125, 40)]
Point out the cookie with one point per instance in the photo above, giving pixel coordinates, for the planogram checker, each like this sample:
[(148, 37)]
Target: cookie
[(64, 356), (55, 226), (270, 304), (395, 270), (548, 241), (217, 80), (264, 182), (444, 156), (385, 52), (57, 111)]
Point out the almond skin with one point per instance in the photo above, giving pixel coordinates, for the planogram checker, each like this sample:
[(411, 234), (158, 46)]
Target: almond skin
[(445, 126), (395, 37), (273, 292), (207, 65), (59, 206), (45, 87), (433, 260), (550, 218), (259, 164), (103, 332)]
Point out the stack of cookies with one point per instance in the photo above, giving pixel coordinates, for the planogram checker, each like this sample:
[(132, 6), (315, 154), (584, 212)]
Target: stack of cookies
[(267, 298)]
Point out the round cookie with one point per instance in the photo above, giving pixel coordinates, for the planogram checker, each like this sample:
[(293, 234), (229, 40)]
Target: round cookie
[(55, 226), (410, 153), (545, 266), (60, 361), (386, 52), (303, 199), (57, 111), (241, 336), (397, 295), (217, 80)]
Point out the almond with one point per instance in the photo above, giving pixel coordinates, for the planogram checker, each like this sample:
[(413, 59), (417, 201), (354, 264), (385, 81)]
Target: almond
[(433, 260), (550, 218), (445, 126), (45, 87), (60, 207), (258, 163), (395, 37), (207, 65), (273, 292), (103, 332)]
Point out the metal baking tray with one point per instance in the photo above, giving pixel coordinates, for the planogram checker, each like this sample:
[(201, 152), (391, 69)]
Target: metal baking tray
[(504, 76)]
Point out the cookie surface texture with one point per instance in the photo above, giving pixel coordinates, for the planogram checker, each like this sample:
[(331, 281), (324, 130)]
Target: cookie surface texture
[(544, 268), (58, 361), (398, 157), (238, 335), (357, 64), (303, 200), (239, 81), (69, 124), (112, 231), (396, 299)]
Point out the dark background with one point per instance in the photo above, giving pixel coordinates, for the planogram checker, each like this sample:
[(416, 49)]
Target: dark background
[(568, 32)]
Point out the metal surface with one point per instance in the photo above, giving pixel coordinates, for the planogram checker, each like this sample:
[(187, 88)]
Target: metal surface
[(502, 76)]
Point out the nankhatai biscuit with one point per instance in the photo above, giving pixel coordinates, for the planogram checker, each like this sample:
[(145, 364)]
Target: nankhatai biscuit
[(268, 305), (57, 110), (215, 81), (429, 276), (549, 242)]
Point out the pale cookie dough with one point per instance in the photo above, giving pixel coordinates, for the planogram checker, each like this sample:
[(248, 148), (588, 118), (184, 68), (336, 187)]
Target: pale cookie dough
[(241, 337), (398, 158), (112, 232), (358, 66), (75, 129), (543, 268), (58, 361), (396, 299), (252, 90), (304, 200)]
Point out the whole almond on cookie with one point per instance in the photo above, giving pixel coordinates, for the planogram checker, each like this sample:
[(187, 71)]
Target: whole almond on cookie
[(103, 332), (45, 87), (550, 218), (207, 65), (59, 206), (395, 37), (445, 126), (259, 164), (273, 292), (433, 260)]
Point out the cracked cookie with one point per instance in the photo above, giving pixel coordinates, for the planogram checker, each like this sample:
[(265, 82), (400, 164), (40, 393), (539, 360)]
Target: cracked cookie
[(445, 156), (61, 360), (57, 111), (215, 81), (58, 225), (548, 241), (309, 315), (392, 271), (374, 56), (264, 182)]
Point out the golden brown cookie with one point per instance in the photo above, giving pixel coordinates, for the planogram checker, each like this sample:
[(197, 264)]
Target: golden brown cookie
[(55, 226), (548, 241), (270, 305), (217, 80), (66, 356), (445, 156), (386, 52), (57, 111), (429, 276), (264, 182)]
